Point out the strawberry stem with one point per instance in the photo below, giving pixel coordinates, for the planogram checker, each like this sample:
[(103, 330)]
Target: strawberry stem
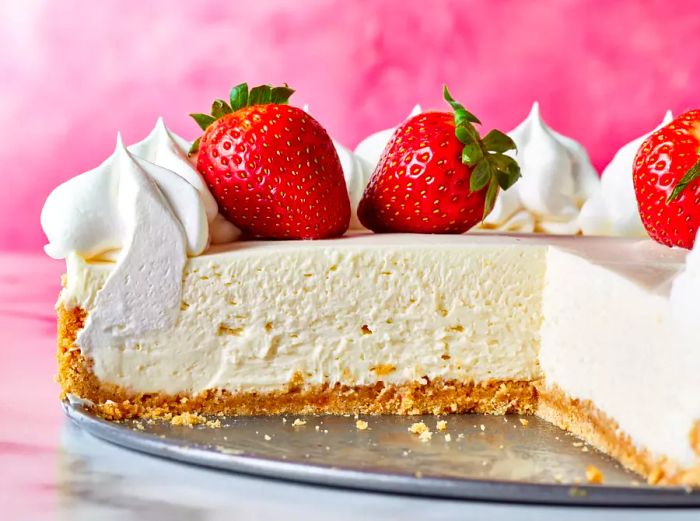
[(486, 157), (239, 98), (691, 175)]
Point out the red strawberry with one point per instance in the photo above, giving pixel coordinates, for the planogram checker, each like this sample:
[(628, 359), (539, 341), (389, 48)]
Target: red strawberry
[(437, 175), (666, 172), (272, 168)]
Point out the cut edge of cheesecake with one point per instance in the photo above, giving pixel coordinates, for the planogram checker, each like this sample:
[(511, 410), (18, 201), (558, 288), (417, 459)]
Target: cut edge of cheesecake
[(579, 417)]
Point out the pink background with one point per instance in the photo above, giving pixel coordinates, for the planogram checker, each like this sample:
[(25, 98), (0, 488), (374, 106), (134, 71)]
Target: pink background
[(72, 73)]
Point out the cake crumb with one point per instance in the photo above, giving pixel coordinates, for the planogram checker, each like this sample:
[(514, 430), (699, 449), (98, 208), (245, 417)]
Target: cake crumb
[(418, 428), (284, 420), (361, 425), (441, 425), (267, 437), (188, 419), (594, 475), (460, 436), (448, 437), (655, 476), (577, 444), (214, 424), (425, 436), (482, 427), (584, 449), (140, 427), (524, 422), (318, 428), (298, 423)]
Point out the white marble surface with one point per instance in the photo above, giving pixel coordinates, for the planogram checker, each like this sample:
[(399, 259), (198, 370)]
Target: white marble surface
[(50, 470)]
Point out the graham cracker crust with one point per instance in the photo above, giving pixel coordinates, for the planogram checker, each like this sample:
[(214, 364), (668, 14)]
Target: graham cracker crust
[(585, 420), (435, 397)]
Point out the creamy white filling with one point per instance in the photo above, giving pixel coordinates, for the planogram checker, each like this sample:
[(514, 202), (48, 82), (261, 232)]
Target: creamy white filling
[(608, 337), (353, 310)]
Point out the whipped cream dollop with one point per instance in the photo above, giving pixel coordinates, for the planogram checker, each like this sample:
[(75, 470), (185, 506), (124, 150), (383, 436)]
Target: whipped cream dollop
[(356, 171), (557, 179), (165, 148), (146, 208), (153, 217), (613, 209)]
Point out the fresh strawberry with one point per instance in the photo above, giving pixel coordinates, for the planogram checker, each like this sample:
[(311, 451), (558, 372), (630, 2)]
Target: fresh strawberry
[(666, 172), (437, 175), (272, 168)]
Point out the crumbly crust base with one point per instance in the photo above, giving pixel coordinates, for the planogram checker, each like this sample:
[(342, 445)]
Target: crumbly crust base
[(579, 417), (434, 397), (585, 420)]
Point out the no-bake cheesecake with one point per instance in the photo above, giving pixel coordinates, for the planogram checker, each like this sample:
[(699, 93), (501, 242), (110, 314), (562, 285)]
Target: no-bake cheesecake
[(163, 311)]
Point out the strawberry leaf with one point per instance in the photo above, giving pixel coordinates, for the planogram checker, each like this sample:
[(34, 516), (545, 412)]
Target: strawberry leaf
[(491, 194), (472, 154), (691, 175), (239, 96), (497, 141), (465, 136), (195, 147), (480, 177), (507, 170), (260, 95), (281, 94), (220, 108), (203, 120)]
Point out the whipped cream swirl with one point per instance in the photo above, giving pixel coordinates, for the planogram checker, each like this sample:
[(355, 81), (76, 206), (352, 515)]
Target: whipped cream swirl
[(356, 171), (557, 179), (147, 208), (613, 209)]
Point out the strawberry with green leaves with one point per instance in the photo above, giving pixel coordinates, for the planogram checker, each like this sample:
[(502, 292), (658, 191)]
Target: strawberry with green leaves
[(271, 167), (438, 175), (667, 181)]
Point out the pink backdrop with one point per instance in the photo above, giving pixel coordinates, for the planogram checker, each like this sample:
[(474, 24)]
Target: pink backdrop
[(72, 73)]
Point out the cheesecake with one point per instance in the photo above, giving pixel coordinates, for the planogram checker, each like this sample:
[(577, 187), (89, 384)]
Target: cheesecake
[(163, 312), (577, 330)]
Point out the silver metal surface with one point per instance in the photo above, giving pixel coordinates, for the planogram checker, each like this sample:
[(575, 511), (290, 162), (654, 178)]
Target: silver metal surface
[(488, 457)]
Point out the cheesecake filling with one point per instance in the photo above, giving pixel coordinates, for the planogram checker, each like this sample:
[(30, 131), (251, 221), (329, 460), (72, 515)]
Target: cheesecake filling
[(255, 316)]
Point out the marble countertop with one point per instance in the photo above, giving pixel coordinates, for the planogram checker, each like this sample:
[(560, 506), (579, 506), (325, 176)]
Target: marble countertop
[(50, 470)]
